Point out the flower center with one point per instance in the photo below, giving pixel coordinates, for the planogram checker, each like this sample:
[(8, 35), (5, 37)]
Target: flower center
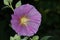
[(24, 20)]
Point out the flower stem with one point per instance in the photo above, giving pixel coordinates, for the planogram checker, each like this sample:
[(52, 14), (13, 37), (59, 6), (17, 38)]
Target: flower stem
[(11, 7)]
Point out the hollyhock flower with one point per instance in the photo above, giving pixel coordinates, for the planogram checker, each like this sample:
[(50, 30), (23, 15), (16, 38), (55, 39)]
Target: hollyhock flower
[(26, 20)]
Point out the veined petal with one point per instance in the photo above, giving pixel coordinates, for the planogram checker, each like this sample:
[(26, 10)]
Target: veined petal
[(28, 15)]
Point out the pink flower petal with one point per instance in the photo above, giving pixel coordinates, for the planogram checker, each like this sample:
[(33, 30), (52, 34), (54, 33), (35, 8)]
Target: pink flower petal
[(32, 24)]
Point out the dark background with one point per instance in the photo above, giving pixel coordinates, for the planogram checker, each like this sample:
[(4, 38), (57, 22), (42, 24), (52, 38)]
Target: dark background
[(50, 26)]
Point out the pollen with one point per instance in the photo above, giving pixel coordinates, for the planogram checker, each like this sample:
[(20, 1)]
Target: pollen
[(24, 20)]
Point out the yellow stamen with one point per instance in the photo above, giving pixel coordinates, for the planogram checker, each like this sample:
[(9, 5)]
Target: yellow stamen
[(24, 20)]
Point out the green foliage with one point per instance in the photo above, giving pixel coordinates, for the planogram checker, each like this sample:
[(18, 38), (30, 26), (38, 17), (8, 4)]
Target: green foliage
[(25, 38), (16, 37), (45, 37), (35, 38), (10, 1), (18, 4), (7, 2), (11, 38), (4, 7)]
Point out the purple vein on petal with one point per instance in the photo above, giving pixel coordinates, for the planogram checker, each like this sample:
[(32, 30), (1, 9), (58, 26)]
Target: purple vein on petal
[(29, 32), (32, 27)]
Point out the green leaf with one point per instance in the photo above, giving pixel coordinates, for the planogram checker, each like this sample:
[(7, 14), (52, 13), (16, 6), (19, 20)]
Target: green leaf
[(45, 37), (6, 2), (18, 4), (16, 37), (11, 38), (25, 38), (4, 7), (10, 1), (35, 38)]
